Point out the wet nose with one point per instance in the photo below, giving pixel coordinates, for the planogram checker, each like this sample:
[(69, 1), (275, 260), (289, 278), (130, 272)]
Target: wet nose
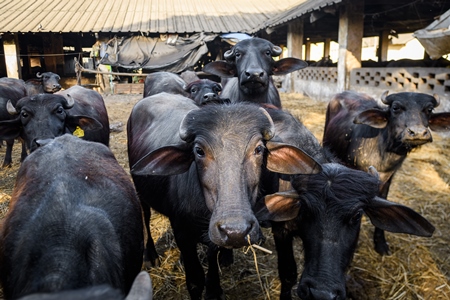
[(254, 73), (418, 132), (210, 96), (311, 290), (237, 233)]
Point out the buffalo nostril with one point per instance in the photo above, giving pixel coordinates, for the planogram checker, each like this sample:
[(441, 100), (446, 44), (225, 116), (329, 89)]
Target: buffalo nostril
[(236, 232), (261, 74)]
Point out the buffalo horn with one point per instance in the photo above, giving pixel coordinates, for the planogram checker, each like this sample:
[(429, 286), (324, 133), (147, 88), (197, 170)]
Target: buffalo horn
[(184, 134), (69, 102), (372, 171), (10, 108), (276, 51), (38, 75), (383, 97), (438, 100), (229, 54), (269, 132)]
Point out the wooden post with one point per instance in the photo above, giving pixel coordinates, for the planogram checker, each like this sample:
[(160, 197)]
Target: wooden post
[(12, 55), (351, 27), (294, 45), (308, 50), (326, 47), (383, 46)]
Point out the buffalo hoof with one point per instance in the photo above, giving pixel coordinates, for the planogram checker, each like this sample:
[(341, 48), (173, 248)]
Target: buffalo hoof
[(382, 248)]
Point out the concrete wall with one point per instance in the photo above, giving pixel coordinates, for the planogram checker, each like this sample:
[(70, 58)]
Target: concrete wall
[(320, 83)]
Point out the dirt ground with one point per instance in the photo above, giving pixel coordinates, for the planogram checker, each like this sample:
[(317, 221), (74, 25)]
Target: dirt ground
[(419, 268)]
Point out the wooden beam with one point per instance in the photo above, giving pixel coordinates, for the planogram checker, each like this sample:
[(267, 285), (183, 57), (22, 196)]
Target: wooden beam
[(351, 29), (294, 45), (383, 46), (12, 54), (326, 47)]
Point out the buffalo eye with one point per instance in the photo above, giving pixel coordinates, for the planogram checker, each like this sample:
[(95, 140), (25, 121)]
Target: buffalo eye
[(356, 218), (199, 152), (237, 54), (24, 114), (429, 110), (59, 110), (259, 150), (194, 90), (268, 53), (396, 108)]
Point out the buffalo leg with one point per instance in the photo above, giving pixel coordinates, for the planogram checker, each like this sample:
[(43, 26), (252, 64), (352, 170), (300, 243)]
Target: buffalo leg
[(287, 268), (379, 240), (195, 276), (151, 257), (24, 153), (8, 154), (213, 288)]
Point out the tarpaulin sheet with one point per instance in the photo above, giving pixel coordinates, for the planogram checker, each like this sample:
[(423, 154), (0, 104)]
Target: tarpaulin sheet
[(435, 38), (171, 54)]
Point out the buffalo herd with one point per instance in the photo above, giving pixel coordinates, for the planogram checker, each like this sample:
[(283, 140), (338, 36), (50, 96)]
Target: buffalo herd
[(221, 161)]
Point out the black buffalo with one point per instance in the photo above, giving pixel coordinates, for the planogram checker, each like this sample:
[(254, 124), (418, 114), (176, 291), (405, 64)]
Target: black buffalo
[(202, 91), (325, 210), (46, 82), (251, 62), (76, 110), (12, 90), (202, 167), (140, 290), (74, 221), (362, 134)]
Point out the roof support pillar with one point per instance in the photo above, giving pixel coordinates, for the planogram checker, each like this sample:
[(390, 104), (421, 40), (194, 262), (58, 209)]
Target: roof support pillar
[(326, 47), (308, 50), (12, 55), (383, 45), (351, 27), (294, 45)]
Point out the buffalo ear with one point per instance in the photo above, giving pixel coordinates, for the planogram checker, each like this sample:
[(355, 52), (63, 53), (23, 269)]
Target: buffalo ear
[(372, 117), (278, 207), (86, 123), (397, 218), (287, 159), (221, 68), (439, 122), (288, 65), (165, 161), (10, 129)]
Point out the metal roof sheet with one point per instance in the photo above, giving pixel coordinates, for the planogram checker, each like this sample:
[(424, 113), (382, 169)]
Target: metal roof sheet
[(156, 16), (302, 8)]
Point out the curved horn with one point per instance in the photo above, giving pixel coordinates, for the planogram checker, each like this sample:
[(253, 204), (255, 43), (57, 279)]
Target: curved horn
[(184, 132), (276, 51), (70, 102), (383, 97), (372, 171), (11, 109), (270, 132), (438, 100), (38, 75), (229, 54)]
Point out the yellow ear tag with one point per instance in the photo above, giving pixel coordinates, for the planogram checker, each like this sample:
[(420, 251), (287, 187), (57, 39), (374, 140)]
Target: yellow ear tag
[(78, 132)]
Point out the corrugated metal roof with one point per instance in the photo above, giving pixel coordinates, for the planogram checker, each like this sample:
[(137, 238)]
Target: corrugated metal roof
[(303, 7), (157, 16)]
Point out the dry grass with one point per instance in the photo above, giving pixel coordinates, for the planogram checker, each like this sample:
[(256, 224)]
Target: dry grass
[(419, 268)]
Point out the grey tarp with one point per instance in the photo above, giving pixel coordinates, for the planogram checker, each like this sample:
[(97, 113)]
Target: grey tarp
[(435, 38), (171, 54)]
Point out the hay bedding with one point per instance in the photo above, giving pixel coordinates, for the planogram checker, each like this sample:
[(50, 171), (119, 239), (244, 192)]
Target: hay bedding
[(419, 268)]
